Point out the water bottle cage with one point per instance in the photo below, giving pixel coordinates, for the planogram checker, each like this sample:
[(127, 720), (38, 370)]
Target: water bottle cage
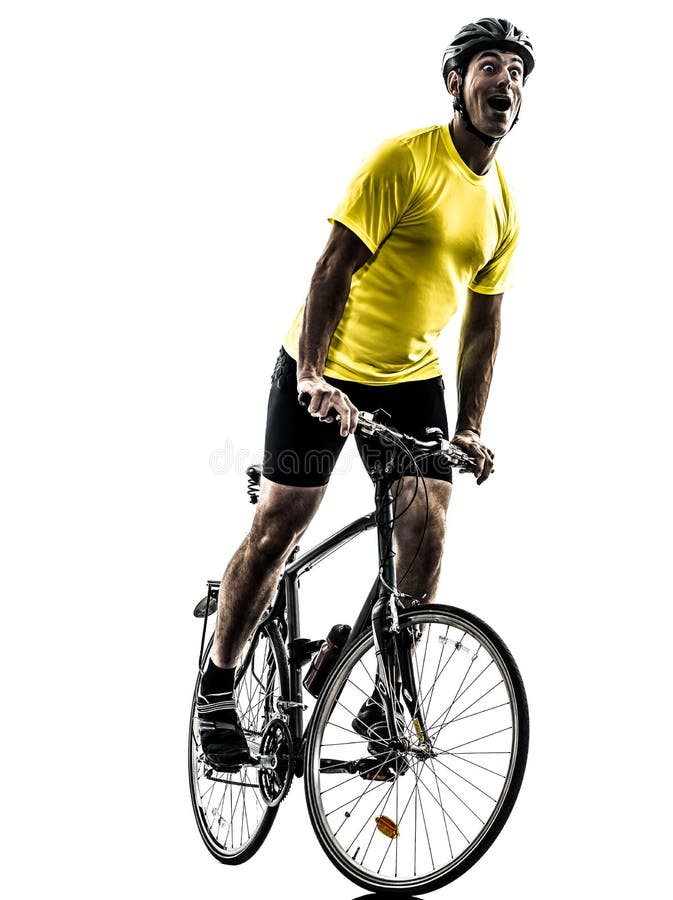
[(302, 650)]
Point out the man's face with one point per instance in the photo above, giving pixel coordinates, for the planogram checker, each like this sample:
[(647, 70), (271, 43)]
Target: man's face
[(492, 89)]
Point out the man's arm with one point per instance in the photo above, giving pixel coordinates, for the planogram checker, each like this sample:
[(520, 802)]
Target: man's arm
[(479, 337), (343, 255)]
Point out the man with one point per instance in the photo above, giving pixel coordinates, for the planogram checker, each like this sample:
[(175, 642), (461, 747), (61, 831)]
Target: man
[(426, 222)]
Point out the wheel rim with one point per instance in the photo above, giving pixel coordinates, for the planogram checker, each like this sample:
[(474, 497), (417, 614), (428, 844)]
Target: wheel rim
[(229, 808), (424, 823)]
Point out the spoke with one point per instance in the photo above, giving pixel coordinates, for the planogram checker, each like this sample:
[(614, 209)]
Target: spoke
[(357, 687), (343, 706), (254, 706), (481, 711), (466, 780), (219, 817), (378, 784), (446, 827), (254, 792), (367, 671), (457, 718), (475, 753), (343, 743), (399, 819), (244, 819), (460, 715), (202, 796), (231, 810), (247, 684), (437, 672), (374, 829), (425, 824), (472, 763), (441, 806), (241, 793), (341, 727), (415, 825), (476, 678), (482, 738), (458, 692), (428, 695), (457, 796)]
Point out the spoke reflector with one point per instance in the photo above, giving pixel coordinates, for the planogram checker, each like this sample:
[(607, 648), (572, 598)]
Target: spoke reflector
[(387, 827)]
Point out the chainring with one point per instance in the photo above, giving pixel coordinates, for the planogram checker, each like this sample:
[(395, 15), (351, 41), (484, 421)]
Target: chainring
[(276, 743)]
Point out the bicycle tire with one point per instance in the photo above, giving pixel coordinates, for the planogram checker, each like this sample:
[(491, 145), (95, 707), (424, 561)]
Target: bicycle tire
[(388, 832), (256, 709)]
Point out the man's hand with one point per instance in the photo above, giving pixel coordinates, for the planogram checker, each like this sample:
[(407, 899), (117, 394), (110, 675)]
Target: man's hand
[(325, 398), (471, 443)]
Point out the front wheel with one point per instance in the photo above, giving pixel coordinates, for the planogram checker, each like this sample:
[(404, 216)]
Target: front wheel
[(417, 823)]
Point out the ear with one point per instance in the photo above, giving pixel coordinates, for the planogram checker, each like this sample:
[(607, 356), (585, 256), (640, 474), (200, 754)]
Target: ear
[(453, 83)]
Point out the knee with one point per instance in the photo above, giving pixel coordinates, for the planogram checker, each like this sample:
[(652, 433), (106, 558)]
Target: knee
[(271, 545), (433, 548), (428, 556)]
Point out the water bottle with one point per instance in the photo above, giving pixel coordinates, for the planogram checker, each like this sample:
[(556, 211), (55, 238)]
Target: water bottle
[(325, 659)]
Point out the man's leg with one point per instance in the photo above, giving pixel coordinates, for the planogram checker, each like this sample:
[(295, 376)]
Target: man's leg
[(420, 581), (283, 514)]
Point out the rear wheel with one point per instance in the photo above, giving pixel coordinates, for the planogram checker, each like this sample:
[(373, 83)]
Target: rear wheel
[(412, 821), (231, 813)]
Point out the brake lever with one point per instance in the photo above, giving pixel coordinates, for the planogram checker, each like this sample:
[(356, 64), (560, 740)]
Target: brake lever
[(460, 457)]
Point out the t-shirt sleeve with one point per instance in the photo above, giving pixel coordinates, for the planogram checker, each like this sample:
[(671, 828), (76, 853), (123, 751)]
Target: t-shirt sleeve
[(379, 194), (495, 276)]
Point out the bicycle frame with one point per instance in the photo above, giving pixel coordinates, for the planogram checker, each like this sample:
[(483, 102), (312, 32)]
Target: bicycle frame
[(379, 607)]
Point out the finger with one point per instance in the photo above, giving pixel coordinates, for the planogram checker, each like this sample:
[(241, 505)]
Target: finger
[(349, 416), (316, 399), (489, 457), (328, 405), (479, 461), (486, 471), (345, 423), (354, 416)]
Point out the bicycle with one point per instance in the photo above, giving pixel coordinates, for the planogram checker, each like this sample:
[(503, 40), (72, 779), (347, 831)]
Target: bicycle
[(420, 808)]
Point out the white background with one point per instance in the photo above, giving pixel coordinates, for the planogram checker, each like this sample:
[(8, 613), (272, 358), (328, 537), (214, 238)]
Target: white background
[(167, 169)]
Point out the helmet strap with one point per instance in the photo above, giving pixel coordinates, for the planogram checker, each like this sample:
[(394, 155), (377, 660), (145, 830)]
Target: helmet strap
[(459, 104), (471, 127)]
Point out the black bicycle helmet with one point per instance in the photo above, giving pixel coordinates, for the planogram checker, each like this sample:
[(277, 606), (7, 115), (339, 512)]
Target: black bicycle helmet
[(498, 34), (485, 34)]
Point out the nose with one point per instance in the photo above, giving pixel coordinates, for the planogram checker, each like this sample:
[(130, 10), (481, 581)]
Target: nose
[(505, 79)]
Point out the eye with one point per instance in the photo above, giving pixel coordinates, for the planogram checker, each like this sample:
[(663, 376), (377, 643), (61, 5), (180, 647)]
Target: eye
[(489, 68), (516, 74)]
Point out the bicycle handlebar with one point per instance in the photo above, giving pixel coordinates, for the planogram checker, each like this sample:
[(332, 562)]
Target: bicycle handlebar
[(369, 426)]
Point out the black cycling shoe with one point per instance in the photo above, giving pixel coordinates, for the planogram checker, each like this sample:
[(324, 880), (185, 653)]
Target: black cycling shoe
[(370, 722), (222, 739)]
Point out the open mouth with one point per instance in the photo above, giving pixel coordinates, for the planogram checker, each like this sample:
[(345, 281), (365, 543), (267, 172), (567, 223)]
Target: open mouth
[(501, 103)]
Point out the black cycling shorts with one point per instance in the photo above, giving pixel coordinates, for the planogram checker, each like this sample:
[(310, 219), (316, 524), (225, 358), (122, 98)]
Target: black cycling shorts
[(301, 450)]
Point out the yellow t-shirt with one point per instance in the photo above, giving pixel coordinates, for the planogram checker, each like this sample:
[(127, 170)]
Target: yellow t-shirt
[(435, 229)]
